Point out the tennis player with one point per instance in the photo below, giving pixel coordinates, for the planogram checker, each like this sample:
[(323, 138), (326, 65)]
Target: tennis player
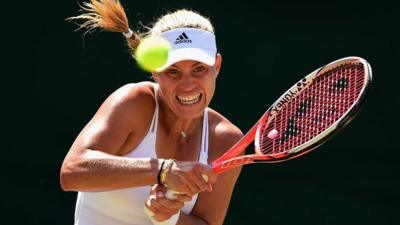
[(151, 135)]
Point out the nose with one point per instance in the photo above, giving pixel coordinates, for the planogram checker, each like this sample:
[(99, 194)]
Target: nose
[(187, 82)]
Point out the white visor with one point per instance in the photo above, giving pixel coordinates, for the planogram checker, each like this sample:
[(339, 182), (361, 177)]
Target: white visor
[(190, 44)]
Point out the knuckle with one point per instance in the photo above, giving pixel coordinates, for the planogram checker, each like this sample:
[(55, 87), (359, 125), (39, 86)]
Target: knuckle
[(164, 202), (156, 205), (185, 190), (175, 205), (153, 210), (152, 201), (190, 192)]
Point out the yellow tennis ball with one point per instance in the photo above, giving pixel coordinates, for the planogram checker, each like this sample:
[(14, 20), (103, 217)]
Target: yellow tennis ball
[(152, 53)]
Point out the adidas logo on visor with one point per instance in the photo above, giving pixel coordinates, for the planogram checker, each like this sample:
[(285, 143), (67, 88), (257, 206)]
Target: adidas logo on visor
[(183, 38)]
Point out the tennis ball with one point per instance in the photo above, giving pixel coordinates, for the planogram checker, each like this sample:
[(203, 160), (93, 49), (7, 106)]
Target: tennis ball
[(152, 53)]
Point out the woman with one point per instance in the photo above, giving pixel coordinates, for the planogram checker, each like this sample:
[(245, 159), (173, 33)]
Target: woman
[(148, 136)]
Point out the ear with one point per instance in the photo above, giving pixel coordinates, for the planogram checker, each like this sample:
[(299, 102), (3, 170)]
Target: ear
[(218, 62)]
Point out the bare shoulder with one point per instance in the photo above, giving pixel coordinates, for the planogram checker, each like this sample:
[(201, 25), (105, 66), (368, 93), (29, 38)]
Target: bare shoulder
[(121, 120), (129, 108), (223, 134), (132, 93), (132, 97)]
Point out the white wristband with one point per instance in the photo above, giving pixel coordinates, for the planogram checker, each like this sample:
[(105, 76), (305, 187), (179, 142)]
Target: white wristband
[(171, 221)]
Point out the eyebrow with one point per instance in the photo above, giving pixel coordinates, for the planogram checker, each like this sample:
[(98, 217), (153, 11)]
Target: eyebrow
[(195, 64)]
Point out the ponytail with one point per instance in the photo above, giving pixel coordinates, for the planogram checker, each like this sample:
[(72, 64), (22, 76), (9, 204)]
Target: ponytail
[(108, 15)]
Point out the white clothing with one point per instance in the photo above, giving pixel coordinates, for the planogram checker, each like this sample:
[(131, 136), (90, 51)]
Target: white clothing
[(126, 206)]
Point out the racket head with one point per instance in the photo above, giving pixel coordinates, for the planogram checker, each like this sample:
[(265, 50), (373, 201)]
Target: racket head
[(313, 110)]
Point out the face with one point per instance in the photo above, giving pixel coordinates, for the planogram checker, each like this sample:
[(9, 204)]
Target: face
[(187, 87)]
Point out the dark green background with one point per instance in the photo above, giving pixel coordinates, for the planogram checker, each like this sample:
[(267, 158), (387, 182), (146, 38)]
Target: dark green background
[(55, 80)]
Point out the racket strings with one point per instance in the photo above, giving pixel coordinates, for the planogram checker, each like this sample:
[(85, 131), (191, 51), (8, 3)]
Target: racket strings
[(313, 110)]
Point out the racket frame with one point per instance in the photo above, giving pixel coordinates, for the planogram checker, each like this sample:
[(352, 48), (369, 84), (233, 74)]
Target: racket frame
[(231, 158)]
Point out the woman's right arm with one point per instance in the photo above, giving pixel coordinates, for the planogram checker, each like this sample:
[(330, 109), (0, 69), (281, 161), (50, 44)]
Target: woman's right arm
[(92, 163)]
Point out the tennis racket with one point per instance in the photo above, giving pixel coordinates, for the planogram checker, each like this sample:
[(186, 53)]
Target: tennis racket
[(304, 117)]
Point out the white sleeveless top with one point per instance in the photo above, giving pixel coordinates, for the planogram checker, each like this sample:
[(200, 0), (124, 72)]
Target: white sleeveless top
[(126, 206)]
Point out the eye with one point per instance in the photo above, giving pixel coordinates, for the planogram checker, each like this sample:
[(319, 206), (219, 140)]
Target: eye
[(172, 73), (200, 69)]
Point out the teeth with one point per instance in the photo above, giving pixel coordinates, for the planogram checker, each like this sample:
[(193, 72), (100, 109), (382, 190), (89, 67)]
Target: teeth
[(189, 99)]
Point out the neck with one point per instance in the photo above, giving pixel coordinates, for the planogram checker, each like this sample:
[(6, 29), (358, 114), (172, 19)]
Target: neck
[(178, 128)]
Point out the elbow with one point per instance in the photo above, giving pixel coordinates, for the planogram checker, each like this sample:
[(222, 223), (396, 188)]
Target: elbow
[(68, 176)]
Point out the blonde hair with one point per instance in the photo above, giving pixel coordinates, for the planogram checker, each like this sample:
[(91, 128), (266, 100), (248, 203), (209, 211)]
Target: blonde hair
[(181, 18), (110, 15)]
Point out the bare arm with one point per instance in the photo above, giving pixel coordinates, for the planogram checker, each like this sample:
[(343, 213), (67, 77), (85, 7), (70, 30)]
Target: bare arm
[(211, 207), (93, 162)]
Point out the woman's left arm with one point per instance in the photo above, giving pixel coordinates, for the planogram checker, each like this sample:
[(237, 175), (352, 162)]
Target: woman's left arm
[(211, 206)]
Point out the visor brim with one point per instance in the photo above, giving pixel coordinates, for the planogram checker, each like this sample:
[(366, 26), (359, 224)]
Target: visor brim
[(200, 55)]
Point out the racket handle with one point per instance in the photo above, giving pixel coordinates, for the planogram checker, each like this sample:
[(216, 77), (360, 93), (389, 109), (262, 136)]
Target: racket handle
[(170, 194)]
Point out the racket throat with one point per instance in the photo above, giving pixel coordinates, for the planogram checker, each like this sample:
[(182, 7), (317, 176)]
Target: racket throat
[(220, 167)]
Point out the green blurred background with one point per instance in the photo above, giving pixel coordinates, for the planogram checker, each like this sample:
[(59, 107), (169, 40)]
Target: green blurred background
[(55, 80)]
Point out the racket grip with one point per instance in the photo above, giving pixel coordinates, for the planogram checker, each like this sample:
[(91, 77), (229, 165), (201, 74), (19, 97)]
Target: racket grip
[(171, 195)]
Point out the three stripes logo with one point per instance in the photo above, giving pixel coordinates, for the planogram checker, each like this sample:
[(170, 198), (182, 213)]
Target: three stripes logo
[(183, 38)]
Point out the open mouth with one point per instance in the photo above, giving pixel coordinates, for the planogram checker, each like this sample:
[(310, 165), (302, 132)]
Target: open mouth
[(189, 100)]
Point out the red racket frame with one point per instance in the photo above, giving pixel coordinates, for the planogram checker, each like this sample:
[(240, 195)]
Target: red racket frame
[(233, 158)]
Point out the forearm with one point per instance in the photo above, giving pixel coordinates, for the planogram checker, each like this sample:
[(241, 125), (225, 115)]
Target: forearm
[(96, 171)]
